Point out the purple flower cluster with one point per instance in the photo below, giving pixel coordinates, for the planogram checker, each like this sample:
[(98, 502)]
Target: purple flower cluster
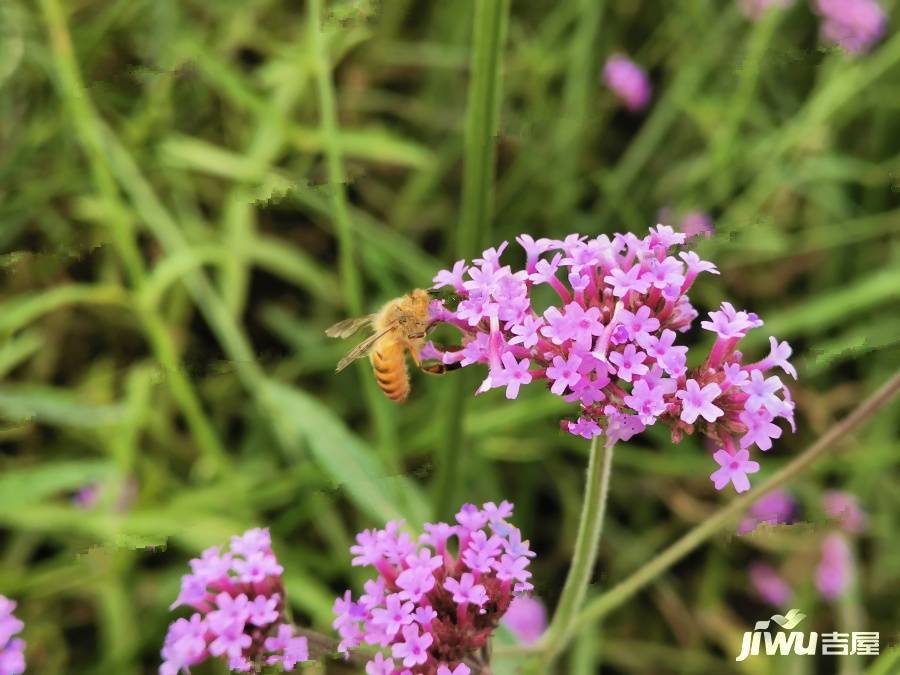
[(609, 344), (239, 598), (12, 649), (855, 25), (834, 570), (628, 81), (432, 608)]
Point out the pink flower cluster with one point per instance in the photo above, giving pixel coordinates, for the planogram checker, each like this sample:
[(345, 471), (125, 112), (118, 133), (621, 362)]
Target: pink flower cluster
[(610, 346), (431, 607), (239, 598), (12, 649), (834, 570), (628, 81), (855, 25)]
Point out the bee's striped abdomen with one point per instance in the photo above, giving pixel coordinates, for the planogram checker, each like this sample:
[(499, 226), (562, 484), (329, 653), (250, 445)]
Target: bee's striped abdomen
[(389, 364)]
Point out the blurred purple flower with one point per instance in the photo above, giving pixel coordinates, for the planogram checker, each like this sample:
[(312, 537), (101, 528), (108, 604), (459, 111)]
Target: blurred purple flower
[(844, 507), (12, 649), (628, 81), (769, 584), (609, 343), (774, 508), (239, 598), (754, 9), (855, 25), (433, 608), (526, 618), (697, 224), (835, 569)]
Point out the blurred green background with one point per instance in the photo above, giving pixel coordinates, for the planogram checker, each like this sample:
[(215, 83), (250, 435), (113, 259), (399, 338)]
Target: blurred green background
[(192, 191)]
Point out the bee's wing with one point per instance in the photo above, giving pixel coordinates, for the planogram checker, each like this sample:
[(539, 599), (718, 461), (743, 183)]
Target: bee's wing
[(348, 327), (363, 348)]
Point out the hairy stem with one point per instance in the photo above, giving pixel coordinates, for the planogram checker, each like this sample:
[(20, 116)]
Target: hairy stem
[(590, 528)]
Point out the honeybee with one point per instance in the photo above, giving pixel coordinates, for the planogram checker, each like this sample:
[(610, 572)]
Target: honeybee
[(400, 325)]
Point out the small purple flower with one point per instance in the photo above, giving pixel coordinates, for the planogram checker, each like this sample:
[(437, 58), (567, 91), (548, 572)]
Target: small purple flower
[(697, 402), (526, 618), (855, 25), (564, 373), (844, 507), (461, 669), (629, 363), (12, 649), (769, 585), (698, 223), (628, 81), (733, 469), (835, 569), (453, 277), (584, 427), (414, 648), (380, 666), (774, 508), (624, 281), (514, 374), (394, 616), (466, 591)]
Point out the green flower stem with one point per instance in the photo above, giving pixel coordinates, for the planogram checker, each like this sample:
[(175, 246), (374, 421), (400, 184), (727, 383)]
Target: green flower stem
[(585, 556), (477, 211)]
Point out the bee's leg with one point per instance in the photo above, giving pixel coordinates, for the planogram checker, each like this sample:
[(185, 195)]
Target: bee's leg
[(440, 368)]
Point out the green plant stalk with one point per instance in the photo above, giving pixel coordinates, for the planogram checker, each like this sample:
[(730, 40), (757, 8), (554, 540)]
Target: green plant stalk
[(75, 97), (590, 527), (581, 83), (480, 157), (625, 589), (482, 120), (350, 281)]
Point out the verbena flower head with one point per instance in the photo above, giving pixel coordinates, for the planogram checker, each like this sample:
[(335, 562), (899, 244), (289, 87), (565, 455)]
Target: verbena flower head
[(855, 25), (437, 599), (239, 598), (609, 343), (628, 81), (12, 649), (755, 9), (526, 618)]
